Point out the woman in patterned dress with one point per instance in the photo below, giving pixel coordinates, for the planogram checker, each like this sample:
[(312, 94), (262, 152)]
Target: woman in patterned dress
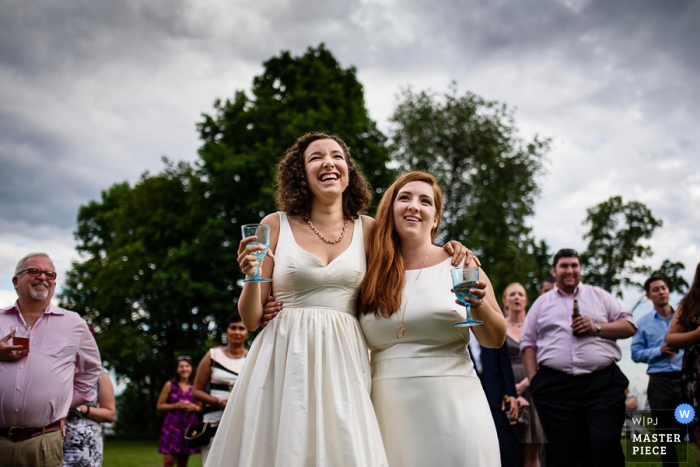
[(684, 333), (176, 398), (82, 446)]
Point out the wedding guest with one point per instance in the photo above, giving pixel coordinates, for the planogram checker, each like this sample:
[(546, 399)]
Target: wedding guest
[(41, 384), (664, 370), (220, 368), (575, 384), (176, 398), (83, 445)]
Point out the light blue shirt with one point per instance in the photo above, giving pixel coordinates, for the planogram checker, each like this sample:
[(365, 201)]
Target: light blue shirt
[(646, 344)]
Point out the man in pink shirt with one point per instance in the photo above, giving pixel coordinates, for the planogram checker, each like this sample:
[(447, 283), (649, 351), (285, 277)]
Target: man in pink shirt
[(578, 390), (39, 386)]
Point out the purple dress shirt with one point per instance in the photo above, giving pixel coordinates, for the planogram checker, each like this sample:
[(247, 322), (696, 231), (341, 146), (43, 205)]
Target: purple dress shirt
[(40, 388), (547, 329)]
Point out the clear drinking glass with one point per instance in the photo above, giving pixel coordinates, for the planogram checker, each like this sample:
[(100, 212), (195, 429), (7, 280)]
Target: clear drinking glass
[(262, 231), (20, 335), (463, 279)]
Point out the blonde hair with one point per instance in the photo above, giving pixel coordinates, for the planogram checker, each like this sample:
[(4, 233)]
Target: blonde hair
[(506, 312)]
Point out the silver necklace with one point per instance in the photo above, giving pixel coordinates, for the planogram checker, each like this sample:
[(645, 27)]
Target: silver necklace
[(330, 242)]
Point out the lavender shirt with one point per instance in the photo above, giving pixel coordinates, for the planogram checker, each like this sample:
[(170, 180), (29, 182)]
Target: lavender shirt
[(40, 388), (547, 329)]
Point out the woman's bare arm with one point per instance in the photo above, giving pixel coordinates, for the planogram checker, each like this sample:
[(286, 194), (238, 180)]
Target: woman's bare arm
[(678, 337), (254, 294)]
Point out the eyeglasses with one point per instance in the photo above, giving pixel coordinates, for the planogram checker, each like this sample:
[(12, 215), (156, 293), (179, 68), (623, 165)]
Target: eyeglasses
[(36, 272), (184, 357)]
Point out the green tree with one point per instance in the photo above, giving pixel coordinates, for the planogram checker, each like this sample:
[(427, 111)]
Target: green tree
[(616, 229), (158, 271), (487, 172), (670, 271)]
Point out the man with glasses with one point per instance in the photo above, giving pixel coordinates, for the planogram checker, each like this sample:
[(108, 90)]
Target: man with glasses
[(38, 386), (577, 389)]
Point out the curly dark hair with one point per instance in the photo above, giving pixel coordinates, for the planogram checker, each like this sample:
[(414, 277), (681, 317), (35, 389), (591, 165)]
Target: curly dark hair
[(293, 193)]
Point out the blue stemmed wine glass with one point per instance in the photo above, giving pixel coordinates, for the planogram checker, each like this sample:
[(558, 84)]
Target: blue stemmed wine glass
[(262, 231), (463, 279)]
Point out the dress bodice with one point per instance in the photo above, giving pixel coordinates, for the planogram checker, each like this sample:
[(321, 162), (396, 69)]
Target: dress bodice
[(513, 351), (300, 280), (430, 318)]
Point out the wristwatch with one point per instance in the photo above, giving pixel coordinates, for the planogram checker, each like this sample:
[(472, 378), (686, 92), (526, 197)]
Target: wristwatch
[(598, 327)]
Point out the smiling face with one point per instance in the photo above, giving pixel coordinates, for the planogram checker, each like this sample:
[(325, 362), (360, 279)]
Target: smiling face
[(515, 298), (184, 370), (567, 273), (326, 168), (415, 214), (658, 293), (236, 334), (35, 288)]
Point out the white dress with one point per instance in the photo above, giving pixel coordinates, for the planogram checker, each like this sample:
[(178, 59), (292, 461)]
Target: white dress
[(429, 401), (303, 397)]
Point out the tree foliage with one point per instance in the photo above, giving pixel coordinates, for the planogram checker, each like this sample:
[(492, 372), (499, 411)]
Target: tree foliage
[(614, 243), (488, 175), (158, 271)]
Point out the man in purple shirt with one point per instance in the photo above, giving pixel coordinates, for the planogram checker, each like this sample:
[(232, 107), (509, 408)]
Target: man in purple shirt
[(578, 390), (39, 386)]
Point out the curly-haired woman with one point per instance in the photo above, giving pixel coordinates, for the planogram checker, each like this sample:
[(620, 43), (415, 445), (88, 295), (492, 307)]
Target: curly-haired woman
[(303, 398), (684, 333)]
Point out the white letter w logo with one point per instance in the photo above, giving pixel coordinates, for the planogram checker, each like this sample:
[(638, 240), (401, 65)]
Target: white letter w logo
[(684, 413)]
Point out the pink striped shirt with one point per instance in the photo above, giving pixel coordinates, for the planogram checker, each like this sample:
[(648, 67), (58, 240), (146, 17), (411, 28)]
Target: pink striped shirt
[(547, 329), (40, 388)]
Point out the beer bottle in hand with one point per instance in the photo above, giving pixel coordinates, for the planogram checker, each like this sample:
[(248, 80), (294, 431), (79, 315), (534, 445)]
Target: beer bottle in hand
[(575, 315)]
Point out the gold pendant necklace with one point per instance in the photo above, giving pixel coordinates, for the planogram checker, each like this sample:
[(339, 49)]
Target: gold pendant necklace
[(402, 329)]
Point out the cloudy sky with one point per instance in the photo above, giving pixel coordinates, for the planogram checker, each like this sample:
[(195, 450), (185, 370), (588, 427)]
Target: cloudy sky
[(94, 93)]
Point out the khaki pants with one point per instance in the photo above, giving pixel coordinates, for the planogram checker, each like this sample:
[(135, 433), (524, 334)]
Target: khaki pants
[(40, 451)]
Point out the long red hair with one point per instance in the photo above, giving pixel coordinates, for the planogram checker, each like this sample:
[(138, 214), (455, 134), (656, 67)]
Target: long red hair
[(381, 288)]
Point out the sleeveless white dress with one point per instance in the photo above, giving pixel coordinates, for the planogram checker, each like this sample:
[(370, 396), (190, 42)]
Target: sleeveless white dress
[(303, 397), (429, 401)]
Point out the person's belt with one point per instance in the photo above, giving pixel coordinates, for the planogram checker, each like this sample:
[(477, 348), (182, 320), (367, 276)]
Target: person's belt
[(222, 387), (667, 374), (18, 433)]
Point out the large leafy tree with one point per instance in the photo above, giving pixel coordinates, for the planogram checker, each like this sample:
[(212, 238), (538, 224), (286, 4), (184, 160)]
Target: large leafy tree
[(614, 243), (158, 271), (488, 175)]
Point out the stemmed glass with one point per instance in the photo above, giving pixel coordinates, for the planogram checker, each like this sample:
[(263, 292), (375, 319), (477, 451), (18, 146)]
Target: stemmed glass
[(262, 231), (463, 279)]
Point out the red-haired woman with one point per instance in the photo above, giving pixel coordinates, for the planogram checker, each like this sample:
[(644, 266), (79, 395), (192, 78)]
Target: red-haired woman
[(684, 333), (303, 398), (429, 402)]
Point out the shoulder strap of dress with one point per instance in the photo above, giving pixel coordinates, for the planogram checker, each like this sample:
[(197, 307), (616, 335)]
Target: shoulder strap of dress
[(285, 228), (358, 232)]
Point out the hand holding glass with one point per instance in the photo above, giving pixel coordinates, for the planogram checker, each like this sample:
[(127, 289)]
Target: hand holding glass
[(463, 279), (262, 231), (20, 336)]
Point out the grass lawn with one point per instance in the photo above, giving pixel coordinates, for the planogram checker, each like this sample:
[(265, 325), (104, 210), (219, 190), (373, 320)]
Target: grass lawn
[(129, 453), (136, 453)]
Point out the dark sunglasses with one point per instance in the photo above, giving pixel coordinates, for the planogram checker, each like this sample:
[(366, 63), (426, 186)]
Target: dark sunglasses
[(36, 272), (185, 358)]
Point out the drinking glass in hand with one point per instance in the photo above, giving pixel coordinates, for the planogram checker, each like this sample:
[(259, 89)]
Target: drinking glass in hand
[(463, 279), (262, 231), (20, 336)]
